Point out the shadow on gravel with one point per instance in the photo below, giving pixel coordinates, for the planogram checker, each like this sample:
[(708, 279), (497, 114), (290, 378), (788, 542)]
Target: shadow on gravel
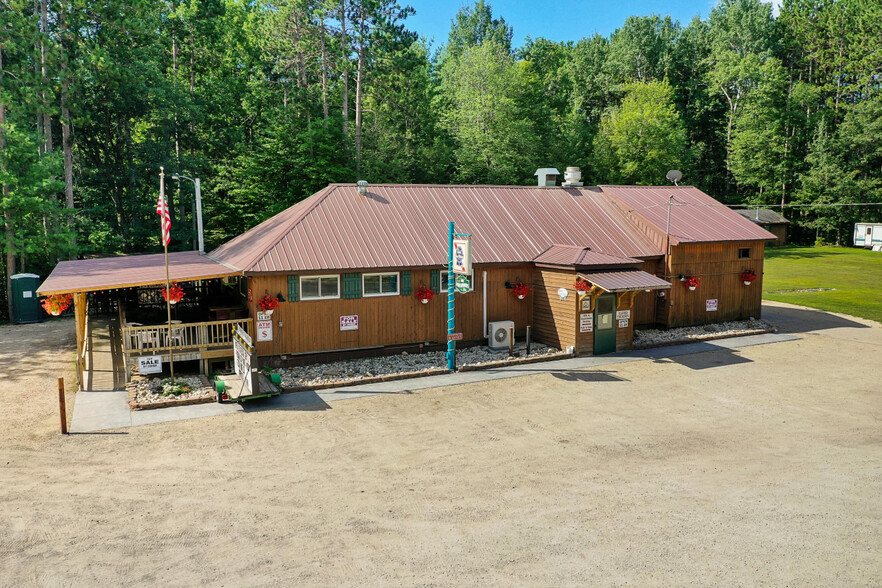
[(703, 361), (803, 320), (592, 376)]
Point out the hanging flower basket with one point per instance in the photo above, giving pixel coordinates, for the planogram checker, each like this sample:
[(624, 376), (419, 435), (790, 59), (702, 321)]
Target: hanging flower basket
[(582, 286), (748, 277), (520, 290), (424, 294), (57, 303), (692, 282), (267, 304), (174, 294)]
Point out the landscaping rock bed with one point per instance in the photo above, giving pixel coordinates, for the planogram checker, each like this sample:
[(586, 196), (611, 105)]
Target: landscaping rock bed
[(647, 338), (359, 370), (147, 393)]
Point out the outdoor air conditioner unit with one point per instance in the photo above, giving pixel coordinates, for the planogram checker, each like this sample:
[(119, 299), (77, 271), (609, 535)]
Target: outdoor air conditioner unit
[(500, 334)]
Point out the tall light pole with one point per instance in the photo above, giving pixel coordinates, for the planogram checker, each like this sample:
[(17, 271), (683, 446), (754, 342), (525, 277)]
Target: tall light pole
[(198, 208)]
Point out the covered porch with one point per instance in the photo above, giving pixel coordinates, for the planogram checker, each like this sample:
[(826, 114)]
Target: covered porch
[(126, 291)]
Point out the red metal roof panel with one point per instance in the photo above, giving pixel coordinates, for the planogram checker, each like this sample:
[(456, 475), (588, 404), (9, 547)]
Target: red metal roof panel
[(624, 281), (695, 216), (104, 273)]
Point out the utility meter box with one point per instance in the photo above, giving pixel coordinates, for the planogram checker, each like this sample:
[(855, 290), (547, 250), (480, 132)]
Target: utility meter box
[(25, 302)]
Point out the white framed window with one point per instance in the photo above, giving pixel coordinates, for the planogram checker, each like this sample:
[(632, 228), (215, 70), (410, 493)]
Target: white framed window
[(319, 287), (385, 284), (444, 282)]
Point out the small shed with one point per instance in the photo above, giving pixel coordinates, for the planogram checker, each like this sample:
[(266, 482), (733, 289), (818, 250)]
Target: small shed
[(770, 221), (25, 302)]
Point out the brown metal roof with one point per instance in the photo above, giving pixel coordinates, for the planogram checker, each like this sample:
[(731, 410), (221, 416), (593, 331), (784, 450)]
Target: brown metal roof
[(625, 281), (695, 216), (763, 216), (571, 255), (406, 226), (86, 275)]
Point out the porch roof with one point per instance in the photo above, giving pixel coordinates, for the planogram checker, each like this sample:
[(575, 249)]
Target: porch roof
[(625, 281), (127, 271)]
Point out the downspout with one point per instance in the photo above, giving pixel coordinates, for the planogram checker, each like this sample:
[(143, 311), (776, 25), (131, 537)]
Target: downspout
[(486, 333)]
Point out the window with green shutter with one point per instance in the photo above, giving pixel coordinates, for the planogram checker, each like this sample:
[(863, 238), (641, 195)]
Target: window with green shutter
[(293, 289), (405, 283), (436, 281), (351, 286)]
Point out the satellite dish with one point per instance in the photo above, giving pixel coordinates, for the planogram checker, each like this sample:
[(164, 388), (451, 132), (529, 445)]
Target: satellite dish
[(674, 176)]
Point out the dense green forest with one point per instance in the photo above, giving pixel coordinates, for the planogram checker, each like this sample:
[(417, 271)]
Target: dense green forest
[(269, 101)]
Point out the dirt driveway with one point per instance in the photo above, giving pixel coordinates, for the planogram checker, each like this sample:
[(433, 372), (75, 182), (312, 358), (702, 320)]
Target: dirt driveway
[(760, 466)]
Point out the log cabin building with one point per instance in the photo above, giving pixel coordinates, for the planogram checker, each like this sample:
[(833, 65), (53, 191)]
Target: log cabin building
[(346, 263)]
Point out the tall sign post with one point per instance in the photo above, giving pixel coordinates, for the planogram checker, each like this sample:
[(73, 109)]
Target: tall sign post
[(459, 262)]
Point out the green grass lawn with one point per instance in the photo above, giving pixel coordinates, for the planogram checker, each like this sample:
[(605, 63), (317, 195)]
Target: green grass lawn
[(854, 274)]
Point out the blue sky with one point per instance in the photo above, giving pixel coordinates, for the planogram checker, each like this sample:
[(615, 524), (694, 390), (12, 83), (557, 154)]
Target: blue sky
[(558, 20)]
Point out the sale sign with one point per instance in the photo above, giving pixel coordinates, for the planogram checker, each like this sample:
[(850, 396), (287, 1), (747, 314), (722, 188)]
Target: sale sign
[(349, 322)]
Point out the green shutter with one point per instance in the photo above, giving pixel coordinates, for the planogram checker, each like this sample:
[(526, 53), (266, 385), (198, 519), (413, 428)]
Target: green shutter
[(405, 283), (351, 286), (436, 281), (293, 289)]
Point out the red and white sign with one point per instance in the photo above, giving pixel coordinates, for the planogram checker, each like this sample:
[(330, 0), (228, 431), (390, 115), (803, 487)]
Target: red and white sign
[(586, 323), (264, 326), (710, 305), (454, 336), (349, 322)]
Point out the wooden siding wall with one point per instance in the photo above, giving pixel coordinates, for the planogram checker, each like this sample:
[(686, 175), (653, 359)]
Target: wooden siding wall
[(646, 303), (314, 325), (555, 319), (719, 268)]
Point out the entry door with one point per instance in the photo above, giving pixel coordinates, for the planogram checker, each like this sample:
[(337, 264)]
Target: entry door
[(604, 324)]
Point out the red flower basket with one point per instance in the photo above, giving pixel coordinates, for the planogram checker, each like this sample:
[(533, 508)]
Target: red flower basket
[(424, 294), (582, 286), (748, 277), (174, 294), (692, 282), (268, 304), (57, 303), (520, 290)]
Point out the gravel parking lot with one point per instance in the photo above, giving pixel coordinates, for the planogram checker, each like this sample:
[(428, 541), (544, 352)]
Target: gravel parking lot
[(758, 466)]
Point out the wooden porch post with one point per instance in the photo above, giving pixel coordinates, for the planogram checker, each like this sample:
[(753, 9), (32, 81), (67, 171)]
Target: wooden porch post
[(80, 322)]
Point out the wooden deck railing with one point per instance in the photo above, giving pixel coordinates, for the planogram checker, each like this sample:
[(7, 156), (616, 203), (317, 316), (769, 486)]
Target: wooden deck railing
[(139, 340)]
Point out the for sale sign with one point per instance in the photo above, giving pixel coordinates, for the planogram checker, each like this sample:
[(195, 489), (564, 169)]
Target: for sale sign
[(711, 305), (349, 322), (151, 364)]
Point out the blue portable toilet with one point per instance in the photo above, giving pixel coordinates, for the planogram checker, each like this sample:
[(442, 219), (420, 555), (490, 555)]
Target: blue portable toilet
[(25, 302)]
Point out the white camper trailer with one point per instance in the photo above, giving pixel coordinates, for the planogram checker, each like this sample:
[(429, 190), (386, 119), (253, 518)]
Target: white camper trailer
[(868, 235)]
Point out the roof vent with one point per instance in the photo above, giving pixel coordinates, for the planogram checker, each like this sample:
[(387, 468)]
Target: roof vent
[(547, 176), (572, 177), (362, 187)]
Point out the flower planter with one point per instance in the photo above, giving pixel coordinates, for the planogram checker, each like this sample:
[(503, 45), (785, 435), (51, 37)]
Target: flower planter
[(692, 287), (268, 312), (55, 313), (424, 301), (172, 302), (746, 283), (521, 296)]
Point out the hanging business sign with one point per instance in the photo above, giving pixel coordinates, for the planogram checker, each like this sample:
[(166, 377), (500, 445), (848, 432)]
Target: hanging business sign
[(349, 322), (462, 256), (264, 325), (150, 364), (711, 305), (586, 323), (462, 283)]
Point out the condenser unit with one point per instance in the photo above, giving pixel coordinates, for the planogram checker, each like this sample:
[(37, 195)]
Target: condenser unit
[(500, 334)]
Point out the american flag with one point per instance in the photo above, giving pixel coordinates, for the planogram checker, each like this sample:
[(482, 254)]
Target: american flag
[(162, 211)]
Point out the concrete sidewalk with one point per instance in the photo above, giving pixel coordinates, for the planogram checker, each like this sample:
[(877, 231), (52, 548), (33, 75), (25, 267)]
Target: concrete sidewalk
[(101, 410)]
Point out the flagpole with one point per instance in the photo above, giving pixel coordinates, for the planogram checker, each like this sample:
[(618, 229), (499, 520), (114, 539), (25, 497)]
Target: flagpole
[(171, 355)]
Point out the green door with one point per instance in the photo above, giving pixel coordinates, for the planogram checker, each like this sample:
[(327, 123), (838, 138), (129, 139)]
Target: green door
[(605, 324), (25, 303)]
